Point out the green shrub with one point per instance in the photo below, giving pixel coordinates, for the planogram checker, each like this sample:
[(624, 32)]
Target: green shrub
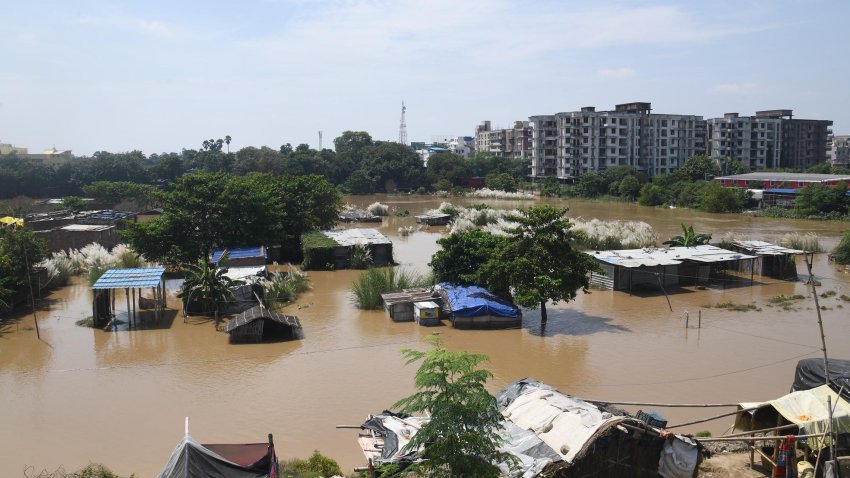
[(316, 466), (841, 253), (284, 288), (361, 256), (703, 433), (371, 283)]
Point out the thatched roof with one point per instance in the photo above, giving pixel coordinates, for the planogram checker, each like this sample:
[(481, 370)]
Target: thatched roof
[(262, 313)]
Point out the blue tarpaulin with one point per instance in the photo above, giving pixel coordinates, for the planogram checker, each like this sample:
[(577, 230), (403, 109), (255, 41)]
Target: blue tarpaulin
[(234, 253), (474, 301)]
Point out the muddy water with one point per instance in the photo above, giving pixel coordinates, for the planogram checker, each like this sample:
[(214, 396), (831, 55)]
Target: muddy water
[(85, 395)]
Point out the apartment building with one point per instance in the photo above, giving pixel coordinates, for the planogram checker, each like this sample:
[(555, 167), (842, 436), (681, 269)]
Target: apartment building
[(565, 145), (504, 142), (770, 139), (839, 154)]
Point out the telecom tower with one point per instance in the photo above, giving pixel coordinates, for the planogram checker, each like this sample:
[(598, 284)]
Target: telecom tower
[(320, 140), (402, 129)]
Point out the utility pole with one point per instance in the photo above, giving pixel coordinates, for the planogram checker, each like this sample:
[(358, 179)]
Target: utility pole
[(809, 260)]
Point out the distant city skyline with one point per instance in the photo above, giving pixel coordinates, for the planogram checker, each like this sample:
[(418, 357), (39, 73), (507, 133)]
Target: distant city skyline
[(160, 76)]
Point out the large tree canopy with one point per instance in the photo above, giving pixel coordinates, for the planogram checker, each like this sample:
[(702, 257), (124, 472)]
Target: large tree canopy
[(204, 211)]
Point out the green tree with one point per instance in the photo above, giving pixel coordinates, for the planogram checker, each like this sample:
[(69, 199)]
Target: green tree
[(74, 204), (689, 238), (550, 187), (591, 185), (716, 198), (116, 191), (629, 187), (501, 182), (461, 439), (462, 256), (822, 199), (841, 253), (19, 248), (699, 167), (652, 195), (538, 260), (448, 166), (393, 165), (360, 182)]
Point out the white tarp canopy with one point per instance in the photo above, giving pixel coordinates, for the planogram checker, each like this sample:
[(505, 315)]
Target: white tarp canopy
[(808, 409)]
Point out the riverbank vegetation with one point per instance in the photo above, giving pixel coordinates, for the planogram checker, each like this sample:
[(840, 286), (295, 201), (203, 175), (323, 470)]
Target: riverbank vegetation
[(819, 202), (841, 253), (92, 260), (20, 251)]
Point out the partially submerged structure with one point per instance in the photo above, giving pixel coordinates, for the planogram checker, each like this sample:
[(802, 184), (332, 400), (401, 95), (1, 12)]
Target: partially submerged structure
[(434, 219), (191, 459), (474, 307), (551, 434), (133, 281), (358, 215), (771, 260), (626, 269), (260, 324), (335, 249), (400, 305), (64, 231), (243, 263)]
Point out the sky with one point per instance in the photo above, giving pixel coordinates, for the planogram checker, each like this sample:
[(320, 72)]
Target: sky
[(160, 76)]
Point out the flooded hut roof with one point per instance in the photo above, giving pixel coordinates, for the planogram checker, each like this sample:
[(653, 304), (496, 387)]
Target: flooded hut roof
[(667, 256), (238, 253), (763, 248), (130, 278), (85, 227), (350, 237), (358, 215), (475, 301), (258, 313), (408, 295), (249, 273)]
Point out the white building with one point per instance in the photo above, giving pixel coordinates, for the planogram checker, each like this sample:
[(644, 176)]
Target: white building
[(565, 145), (839, 155)]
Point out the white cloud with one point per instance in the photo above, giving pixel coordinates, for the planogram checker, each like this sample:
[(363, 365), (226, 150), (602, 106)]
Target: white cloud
[(122, 21), (736, 88), (624, 72)]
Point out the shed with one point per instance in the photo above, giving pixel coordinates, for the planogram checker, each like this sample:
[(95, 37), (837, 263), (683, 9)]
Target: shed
[(241, 256), (133, 281), (426, 313), (378, 244), (241, 460), (259, 324), (434, 219), (772, 260), (474, 307), (400, 305), (661, 267)]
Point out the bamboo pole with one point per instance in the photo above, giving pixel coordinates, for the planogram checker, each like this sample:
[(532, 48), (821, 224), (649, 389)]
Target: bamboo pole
[(764, 438), (809, 260), (668, 405), (763, 430), (717, 416)]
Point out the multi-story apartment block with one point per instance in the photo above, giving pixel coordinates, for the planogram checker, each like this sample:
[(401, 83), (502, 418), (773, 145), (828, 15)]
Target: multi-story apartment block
[(461, 145), (7, 148), (507, 143), (565, 145), (839, 155), (770, 139)]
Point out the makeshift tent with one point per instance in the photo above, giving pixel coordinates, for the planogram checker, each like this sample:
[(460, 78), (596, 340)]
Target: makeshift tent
[(807, 409), (259, 323), (190, 459), (553, 435), (475, 307), (810, 374), (240, 256)]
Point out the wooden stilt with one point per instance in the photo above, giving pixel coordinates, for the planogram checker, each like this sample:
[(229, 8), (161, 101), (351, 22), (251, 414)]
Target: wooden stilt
[(127, 293)]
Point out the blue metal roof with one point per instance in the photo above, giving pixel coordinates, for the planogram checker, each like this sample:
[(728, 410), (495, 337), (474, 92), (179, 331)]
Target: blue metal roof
[(238, 253), (127, 278), (782, 191)]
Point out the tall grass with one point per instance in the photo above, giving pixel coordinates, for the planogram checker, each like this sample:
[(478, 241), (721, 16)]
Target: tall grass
[(371, 283), (605, 235), (487, 193), (807, 242), (361, 256), (283, 288), (92, 260), (379, 209)]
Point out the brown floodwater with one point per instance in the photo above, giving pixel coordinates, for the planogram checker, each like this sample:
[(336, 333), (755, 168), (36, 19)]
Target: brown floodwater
[(83, 395)]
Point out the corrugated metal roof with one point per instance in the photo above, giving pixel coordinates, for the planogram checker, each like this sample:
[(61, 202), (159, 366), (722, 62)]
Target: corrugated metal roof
[(86, 227), (257, 312), (763, 248), (650, 257), (130, 278), (238, 253), (777, 176), (350, 237)]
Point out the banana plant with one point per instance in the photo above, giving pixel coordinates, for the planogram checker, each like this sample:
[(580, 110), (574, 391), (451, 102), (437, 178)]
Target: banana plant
[(688, 238)]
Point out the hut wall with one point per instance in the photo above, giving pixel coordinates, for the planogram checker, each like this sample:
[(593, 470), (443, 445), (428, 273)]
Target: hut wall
[(401, 312), (251, 332), (630, 278), (63, 240), (614, 455), (382, 254)]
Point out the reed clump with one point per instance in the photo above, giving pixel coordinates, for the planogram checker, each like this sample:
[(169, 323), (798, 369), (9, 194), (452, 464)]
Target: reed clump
[(379, 209), (371, 283), (808, 242), (284, 288), (600, 235)]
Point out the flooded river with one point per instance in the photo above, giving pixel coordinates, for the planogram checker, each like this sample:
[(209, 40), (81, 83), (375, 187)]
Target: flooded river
[(83, 395)]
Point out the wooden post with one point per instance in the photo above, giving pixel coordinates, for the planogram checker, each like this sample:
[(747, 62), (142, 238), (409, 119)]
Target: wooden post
[(699, 319), (820, 320), (127, 293), (831, 434)]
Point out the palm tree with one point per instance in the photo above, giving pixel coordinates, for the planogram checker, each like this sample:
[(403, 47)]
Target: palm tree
[(208, 284), (688, 238), (227, 140)]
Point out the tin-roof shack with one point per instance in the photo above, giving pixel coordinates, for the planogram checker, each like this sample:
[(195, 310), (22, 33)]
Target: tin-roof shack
[(772, 260), (260, 324), (336, 250), (625, 269)]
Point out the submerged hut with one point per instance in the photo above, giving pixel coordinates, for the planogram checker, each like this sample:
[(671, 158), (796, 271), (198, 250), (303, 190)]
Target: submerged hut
[(434, 219), (358, 215), (133, 281), (626, 269), (554, 435), (335, 249), (772, 260), (260, 324), (400, 305), (474, 307), (239, 460), (243, 263)]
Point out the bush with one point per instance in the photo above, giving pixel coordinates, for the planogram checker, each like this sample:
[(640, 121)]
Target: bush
[(361, 256), (841, 253), (808, 242), (284, 288), (316, 466), (379, 209), (651, 195), (371, 283)]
